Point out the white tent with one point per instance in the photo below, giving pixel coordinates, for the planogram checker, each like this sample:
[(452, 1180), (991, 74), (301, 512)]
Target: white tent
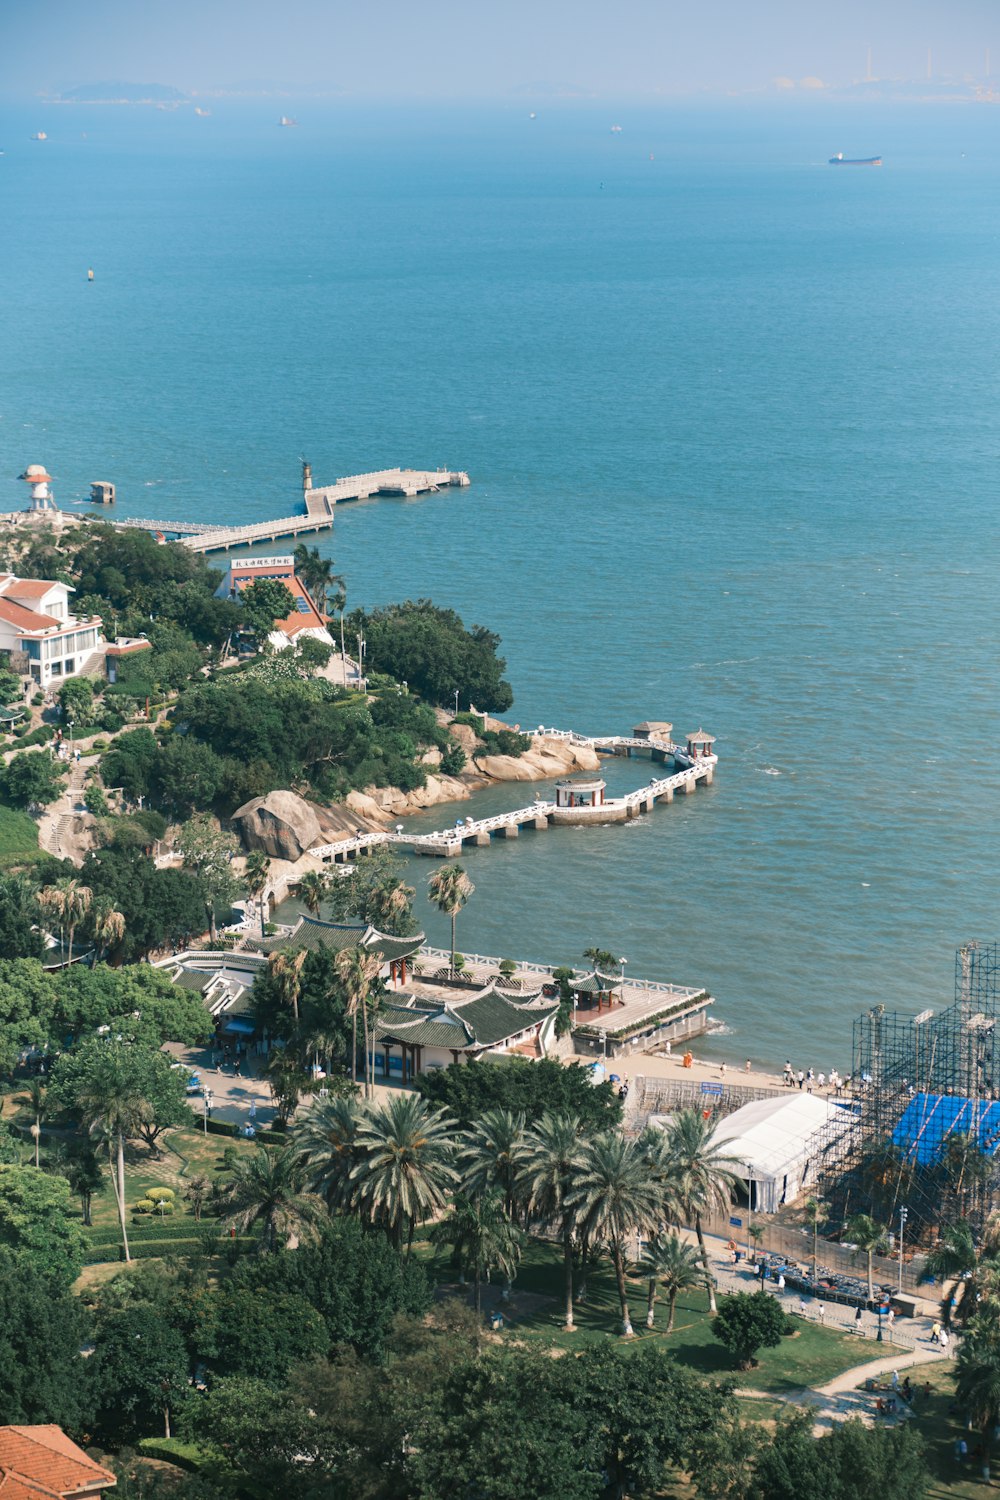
[(777, 1141)]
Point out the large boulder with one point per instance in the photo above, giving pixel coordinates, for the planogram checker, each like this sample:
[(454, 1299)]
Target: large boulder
[(281, 825)]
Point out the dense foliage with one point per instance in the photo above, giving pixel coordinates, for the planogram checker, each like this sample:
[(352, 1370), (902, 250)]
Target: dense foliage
[(468, 1090), (431, 649)]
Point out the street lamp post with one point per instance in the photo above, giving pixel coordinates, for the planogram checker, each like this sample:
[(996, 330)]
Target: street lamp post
[(209, 1098), (362, 648), (604, 1043), (904, 1214), (69, 726), (749, 1210), (456, 702), (623, 962)]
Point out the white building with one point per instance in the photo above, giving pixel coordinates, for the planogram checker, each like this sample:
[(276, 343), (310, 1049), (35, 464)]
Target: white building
[(35, 619)]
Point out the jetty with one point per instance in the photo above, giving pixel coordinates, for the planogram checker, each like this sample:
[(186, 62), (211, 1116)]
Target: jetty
[(320, 504), (576, 802)]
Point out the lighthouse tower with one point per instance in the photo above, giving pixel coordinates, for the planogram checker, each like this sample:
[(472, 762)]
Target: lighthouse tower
[(41, 499)]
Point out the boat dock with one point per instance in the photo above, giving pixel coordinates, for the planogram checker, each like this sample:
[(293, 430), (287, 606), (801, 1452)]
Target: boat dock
[(447, 843), (320, 503)]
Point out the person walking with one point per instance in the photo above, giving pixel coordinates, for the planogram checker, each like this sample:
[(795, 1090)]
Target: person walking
[(859, 1321), (781, 1281), (943, 1340), (821, 1312), (802, 1078)]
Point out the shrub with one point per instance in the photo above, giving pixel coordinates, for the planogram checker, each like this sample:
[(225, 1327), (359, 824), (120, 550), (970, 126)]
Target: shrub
[(145, 1206), (504, 742), (161, 1195), (453, 761), (95, 801)]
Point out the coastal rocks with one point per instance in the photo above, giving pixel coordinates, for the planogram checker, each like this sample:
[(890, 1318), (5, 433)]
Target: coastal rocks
[(383, 804), (282, 825), (547, 757)]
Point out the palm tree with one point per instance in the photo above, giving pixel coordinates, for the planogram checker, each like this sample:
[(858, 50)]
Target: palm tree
[(112, 1107), (287, 1079), (552, 1158), (816, 1212), (197, 1190), (327, 1137), (449, 889), (483, 1237), (285, 969), (491, 1154), (108, 925), (704, 1175), (255, 875), (35, 1096), (267, 1188), (977, 1378), (357, 969), (870, 1239), (614, 1196), (81, 1167), (389, 907), (676, 1267), (314, 572), (52, 904), (405, 1172), (959, 1259), (312, 888), (76, 904)]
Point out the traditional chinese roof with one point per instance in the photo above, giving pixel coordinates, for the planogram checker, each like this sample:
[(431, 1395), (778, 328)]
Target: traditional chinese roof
[(193, 979), (41, 1461), (311, 933), (484, 1018), (701, 738), (596, 983)]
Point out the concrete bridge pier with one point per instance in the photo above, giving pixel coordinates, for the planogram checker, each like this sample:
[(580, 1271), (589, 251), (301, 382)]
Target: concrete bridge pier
[(649, 803), (510, 830), (541, 823), (667, 796), (708, 776), (482, 838), (689, 786)]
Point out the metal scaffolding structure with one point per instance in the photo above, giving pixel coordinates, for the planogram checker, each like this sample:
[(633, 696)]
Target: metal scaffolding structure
[(925, 1127)]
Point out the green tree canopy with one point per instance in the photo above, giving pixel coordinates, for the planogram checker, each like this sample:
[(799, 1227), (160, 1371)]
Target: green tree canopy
[(748, 1321), (468, 1090), (37, 1223), (136, 1001), (32, 777), (431, 649), (351, 1276), (136, 1374), (266, 600), (260, 1333), (19, 934), (131, 1070), (41, 1330)]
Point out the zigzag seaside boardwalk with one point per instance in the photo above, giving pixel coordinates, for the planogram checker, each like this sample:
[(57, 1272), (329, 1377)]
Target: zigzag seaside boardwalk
[(578, 800), (320, 503)]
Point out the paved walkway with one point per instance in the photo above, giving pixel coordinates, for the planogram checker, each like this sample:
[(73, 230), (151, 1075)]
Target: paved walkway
[(231, 1094)]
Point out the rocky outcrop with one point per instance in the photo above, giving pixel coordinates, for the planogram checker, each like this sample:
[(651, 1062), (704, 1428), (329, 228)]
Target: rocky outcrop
[(383, 804), (547, 757), (281, 825)]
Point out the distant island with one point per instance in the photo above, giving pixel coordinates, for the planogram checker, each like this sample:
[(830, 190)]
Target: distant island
[(123, 93)]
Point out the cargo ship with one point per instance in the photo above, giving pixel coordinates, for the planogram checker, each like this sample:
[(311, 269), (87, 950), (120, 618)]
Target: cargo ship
[(840, 160)]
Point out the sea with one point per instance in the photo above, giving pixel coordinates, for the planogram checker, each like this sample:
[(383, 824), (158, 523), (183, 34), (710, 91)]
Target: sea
[(732, 421)]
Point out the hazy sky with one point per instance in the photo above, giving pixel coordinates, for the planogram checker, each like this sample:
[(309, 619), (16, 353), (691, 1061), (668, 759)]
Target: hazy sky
[(443, 49)]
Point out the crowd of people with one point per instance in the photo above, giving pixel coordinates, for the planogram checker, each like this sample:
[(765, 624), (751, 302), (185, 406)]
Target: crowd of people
[(810, 1081)]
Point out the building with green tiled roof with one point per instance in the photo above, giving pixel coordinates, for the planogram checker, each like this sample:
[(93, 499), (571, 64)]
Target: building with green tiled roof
[(310, 932), (417, 1032)]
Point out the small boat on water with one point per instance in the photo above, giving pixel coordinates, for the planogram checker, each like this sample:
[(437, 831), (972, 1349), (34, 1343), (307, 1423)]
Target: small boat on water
[(40, 136), (840, 160), (287, 120)]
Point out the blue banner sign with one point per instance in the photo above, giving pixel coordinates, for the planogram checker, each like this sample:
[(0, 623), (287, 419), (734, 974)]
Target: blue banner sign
[(712, 1088)]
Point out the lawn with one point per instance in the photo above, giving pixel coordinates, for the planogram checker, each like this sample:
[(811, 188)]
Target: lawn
[(812, 1356), (18, 839)]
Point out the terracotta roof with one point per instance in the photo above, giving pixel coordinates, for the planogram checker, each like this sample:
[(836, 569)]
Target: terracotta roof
[(25, 619), (32, 588), (43, 1461)]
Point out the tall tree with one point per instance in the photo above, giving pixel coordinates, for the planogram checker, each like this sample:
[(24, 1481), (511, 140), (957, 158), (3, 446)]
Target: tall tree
[(977, 1378), (553, 1158), (357, 970), (36, 1097), (449, 889), (327, 1137), (674, 1266), (77, 899), (614, 1197), (255, 877), (107, 925), (286, 971), (209, 853), (492, 1153), (483, 1237), (406, 1169), (268, 1188), (704, 1175), (312, 888), (871, 1239)]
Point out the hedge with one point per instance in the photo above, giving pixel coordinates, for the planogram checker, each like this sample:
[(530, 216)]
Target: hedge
[(172, 1451), (226, 1127), (159, 1249), (149, 1227)]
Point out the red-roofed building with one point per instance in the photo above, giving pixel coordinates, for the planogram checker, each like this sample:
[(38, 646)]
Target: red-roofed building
[(41, 1463), (35, 619), (305, 619)]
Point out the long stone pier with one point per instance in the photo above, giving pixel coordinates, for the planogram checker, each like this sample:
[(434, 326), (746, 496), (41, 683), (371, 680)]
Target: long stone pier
[(447, 843), (206, 536)]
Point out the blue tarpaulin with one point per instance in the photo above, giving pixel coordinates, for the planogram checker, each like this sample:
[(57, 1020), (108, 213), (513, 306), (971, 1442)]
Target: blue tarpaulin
[(240, 1025), (929, 1119)]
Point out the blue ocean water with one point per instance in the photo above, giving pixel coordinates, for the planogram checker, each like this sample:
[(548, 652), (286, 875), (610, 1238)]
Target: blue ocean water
[(732, 423)]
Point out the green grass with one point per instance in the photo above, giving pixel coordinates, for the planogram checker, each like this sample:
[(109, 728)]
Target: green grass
[(18, 839), (814, 1356)]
